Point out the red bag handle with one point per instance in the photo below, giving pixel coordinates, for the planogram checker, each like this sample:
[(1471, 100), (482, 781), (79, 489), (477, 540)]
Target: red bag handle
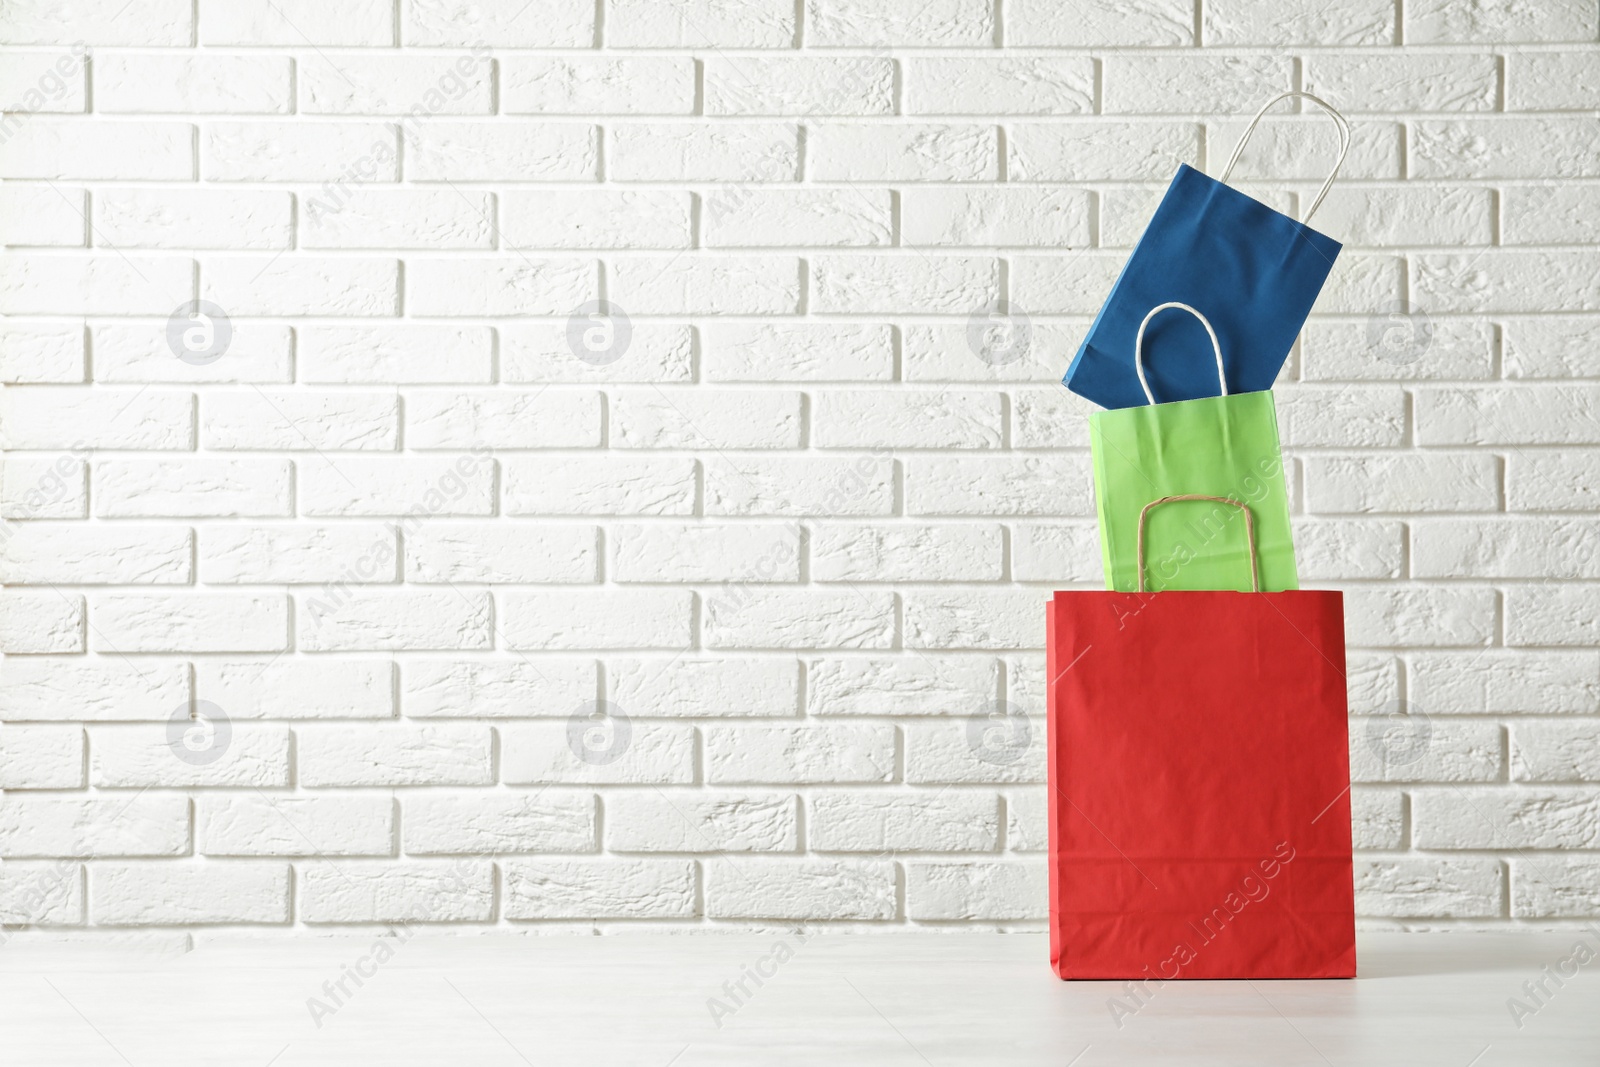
[(1249, 532)]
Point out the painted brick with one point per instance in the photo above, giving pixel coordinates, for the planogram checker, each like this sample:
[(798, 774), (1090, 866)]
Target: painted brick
[(782, 352), (203, 622), (506, 418), (415, 891), (344, 355), (653, 618), (393, 754), (1448, 888), (298, 554), (393, 85), (201, 84), (514, 688), (600, 889), (703, 418), (460, 23), (1480, 817), (162, 22), (496, 287), (604, 485), (268, 824), (73, 688), (698, 553), (1503, 681), (1141, 22), (1553, 887), (684, 687), (656, 352), (41, 757), (339, 154), (39, 216), (726, 152), (965, 218), (862, 485), (752, 217), (32, 284), (749, 888), (976, 891), (707, 285), (910, 822), (1084, 151), (918, 685), (140, 894), (46, 554), (1303, 22), (833, 753), (192, 488), (445, 151), (297, 688), (758, 85), (922, 153), (625, 752), (497, 553), (41, 352), (442, 823), (700, 24), (600, 85), (367, 620), (1550, 81), (595, 218), (896, 553), (91, 149), (754, 617), (1033, 85), (663, 821), (145, 755), (147, 824), (1439, 21), (402, 218)]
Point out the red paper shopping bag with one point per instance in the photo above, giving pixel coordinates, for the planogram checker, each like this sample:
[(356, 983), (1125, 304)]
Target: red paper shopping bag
[(1199, 784)]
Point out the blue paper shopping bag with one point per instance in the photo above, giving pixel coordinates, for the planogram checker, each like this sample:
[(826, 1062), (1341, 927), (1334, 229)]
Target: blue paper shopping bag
[(1252, 271)]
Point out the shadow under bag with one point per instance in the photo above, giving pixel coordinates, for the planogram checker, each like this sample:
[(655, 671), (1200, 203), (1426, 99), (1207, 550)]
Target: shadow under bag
[(1252, 271), (1199, 778)]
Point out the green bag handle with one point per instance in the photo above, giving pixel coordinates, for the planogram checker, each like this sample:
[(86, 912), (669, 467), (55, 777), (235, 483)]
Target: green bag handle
[(1249, 533), (1138, 346)]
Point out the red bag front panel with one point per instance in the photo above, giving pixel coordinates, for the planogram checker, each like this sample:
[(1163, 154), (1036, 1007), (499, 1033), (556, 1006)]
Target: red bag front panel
[(1199, 786)]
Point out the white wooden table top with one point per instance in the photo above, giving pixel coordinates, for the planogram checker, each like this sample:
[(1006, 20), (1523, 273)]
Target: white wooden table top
[(655, 1000)]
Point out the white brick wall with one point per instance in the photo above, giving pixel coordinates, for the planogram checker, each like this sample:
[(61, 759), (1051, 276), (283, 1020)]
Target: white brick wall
[(400, 538)]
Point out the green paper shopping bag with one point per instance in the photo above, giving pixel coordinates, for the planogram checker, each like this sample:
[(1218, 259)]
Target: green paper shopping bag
[(1218, 446)]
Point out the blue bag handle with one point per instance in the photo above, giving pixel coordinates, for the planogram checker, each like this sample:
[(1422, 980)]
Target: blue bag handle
[(1138, 346), (1344, 144)]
